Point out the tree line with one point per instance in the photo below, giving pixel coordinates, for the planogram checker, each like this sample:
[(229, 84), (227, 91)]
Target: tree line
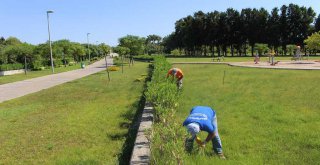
[(65, 52), (238, 32)]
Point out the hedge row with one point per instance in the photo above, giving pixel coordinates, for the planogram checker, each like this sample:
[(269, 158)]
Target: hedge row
[(5, 67), (166, 132), (144, 57)]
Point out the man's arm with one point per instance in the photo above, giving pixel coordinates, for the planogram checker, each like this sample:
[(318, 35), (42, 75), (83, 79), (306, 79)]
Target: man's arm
[(209, 137)]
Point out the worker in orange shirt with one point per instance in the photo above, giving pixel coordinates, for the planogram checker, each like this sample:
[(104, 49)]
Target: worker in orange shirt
[(177, 73)]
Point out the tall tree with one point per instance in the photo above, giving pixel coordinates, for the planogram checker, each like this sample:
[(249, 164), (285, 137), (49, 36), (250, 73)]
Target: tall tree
[(273, 29), (284, 33), (134, 43), (153, 44), (212, 23), (317, 24), (313, 41)]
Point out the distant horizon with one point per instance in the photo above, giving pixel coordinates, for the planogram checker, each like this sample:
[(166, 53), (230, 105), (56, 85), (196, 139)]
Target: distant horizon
[(108, 21)]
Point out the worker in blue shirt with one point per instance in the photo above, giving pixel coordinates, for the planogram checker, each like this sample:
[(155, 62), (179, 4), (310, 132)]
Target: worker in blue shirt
[(203, 118)]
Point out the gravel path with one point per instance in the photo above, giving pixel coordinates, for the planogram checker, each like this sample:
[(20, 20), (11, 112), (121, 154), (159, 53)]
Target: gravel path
[(17, 89)]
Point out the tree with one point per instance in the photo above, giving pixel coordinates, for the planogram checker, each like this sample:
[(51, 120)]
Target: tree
[(62, 49), (135, 44), (78, 52), (153, 44), (122, 51), (317, 24), (2, 41), (12, 41), (17, 53), (261, 49), (273, 29), (284, 33), (313, 41), (212, 20)]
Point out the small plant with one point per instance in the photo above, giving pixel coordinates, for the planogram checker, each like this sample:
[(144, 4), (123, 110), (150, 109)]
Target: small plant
[(113, 68)]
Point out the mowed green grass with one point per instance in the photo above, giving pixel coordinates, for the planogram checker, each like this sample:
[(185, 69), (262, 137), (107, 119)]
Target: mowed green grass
[(265, 116), (232, 59), (34, 74), (81, 122)]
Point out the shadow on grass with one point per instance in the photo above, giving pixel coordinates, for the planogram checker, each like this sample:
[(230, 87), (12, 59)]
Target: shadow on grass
[(134, 115)]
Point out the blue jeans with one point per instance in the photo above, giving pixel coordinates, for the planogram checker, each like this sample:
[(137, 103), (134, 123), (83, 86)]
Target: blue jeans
[(216, 141)]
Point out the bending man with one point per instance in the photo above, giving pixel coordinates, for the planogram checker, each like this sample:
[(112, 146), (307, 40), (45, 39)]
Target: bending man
[(177, 73), (203, 118)]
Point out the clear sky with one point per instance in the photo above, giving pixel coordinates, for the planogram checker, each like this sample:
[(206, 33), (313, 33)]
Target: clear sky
[(108, 20)]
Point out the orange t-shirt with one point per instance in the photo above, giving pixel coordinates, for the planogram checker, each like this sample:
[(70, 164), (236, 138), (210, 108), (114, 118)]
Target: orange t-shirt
[(176, 72)]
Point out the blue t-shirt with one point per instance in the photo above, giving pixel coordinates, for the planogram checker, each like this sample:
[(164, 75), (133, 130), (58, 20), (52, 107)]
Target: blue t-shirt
[(202, 115)]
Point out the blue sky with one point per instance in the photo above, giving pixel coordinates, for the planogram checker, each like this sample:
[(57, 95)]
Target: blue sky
[(108, 20)]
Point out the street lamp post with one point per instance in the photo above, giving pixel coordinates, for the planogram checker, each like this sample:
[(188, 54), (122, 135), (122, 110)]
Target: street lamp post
[(52, 67), (88, 45)]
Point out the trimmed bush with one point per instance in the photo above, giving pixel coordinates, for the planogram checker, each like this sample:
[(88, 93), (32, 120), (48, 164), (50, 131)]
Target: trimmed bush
[(6, 67), (164, 95), (144, 57)]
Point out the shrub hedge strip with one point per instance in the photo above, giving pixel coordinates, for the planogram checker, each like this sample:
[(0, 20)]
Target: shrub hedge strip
[(16, 66), (166, 132)]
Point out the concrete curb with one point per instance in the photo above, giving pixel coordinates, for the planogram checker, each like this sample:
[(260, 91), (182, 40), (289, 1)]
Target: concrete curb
[(141, 153)]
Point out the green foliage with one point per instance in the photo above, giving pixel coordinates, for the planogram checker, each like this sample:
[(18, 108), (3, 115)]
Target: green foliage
[(121, 50), (144, 57), (152, 43), (163, 94), (313, 41), (135, 44), (17, 53), (37, 65), (291, 49), (12, 41), (105, 49), (113, 68), (5, 67), (235, 30), (261, 48), (175, 52)]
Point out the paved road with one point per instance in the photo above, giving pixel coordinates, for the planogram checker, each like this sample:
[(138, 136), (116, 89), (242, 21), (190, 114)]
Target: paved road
[(17, 89)]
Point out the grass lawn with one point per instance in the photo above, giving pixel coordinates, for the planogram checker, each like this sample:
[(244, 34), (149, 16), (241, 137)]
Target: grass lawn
[(231, 59), (81, 122), (34, 74), (265, 116)]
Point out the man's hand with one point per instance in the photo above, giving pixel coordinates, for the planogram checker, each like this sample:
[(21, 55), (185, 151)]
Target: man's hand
[(198, 140), (203, 144)]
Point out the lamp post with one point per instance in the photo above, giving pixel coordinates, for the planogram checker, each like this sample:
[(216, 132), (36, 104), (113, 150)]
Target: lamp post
[(52, 67), (88, 45)]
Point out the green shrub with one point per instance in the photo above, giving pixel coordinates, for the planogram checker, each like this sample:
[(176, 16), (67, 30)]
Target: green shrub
[(175, 52), (113, 68), (6, 67), (36, 65), (163, 94), (144, 57), (57, 62)]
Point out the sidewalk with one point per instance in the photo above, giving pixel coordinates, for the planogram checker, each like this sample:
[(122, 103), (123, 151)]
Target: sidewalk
[(17, 89)]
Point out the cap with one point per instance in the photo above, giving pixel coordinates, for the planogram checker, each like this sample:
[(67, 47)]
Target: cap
[(193, 128)]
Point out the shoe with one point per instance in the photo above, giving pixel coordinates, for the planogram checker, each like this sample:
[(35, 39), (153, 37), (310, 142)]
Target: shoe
[(221, 156)]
